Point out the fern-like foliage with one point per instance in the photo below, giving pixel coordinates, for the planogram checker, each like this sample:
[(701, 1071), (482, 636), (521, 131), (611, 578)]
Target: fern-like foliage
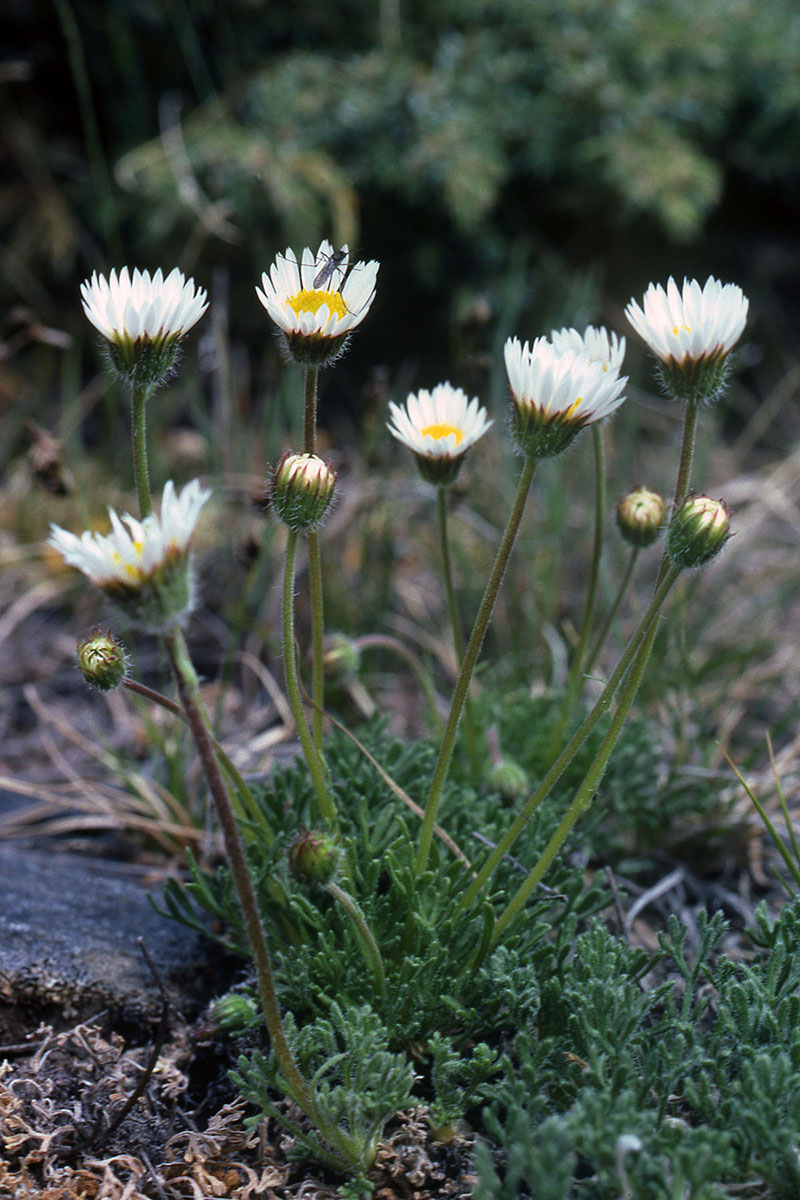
[(356, 1083)]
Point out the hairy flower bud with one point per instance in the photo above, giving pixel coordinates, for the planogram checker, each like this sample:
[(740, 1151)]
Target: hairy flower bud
[(640, 516), (102, 660), (234, 1014), (509, 779), (698, 531), (302, 490), (341, 658), (314, 856)]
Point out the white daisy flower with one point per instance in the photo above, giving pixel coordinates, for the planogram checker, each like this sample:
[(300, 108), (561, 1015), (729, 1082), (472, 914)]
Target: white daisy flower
[(439, 427), (316, 303), (143, 318), (596, 341), (143, 565), (692, 332), (555, 393)]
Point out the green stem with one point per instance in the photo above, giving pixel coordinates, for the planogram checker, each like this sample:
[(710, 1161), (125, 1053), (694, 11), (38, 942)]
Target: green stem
[(468, 664), (189, 692), (573, 746), (141, 474), (574, 677), (666, 576), (249, 807), (458, 641), (317, 637), (368, 944), (313, 760), (612, 612), (314, 569), (310, 410), (590, 781), (684, 479)]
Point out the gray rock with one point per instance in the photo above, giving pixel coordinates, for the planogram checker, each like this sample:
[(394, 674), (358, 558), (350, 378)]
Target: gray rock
[(68, 946)]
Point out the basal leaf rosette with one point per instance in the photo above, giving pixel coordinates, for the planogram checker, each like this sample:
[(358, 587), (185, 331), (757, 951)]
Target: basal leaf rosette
[(439, 427), (691, 331), (318, 302), (143, 566), (144, 319), (555, 393)]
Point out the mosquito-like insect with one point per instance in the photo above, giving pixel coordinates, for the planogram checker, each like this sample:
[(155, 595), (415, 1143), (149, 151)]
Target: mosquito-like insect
[(323, 276)]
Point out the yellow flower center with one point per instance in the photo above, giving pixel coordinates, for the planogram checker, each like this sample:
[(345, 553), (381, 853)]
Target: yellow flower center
[(442, 431), (676, 329), (312, 301)]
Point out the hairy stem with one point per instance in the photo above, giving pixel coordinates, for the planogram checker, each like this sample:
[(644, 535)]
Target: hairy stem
[(189, 692), (368, 944), (468, 664), (458, 641), (314, 568), (315, 767), (573, 746), (585, 791), (141, 472), (594, 570)]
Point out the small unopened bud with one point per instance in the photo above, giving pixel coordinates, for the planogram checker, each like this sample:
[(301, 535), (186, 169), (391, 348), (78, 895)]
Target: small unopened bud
[(102, 660), (314, 856), (640, 516), (302, 490), (341, 658), (234, 1014), (698, 531), (509, 779)]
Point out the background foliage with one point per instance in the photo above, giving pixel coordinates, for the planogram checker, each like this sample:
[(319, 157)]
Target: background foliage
[(508, 163)]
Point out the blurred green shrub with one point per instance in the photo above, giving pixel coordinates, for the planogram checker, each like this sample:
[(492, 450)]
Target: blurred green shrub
[(478, 121)]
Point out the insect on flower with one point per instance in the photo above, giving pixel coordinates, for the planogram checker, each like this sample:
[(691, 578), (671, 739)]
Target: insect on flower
[(334, 260)]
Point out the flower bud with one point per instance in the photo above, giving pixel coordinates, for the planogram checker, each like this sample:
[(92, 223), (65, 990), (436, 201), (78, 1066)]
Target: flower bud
[(640, 516), (314, 856), (234, 1014), (509, 779), (102, 660), (341, 658), (698, 531), (302, 490)]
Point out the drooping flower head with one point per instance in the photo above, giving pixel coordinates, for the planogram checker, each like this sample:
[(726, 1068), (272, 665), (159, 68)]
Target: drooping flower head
[(439, 427), (143, 318), (692, 332), (555, 393), (319, 301), (144, 566)]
